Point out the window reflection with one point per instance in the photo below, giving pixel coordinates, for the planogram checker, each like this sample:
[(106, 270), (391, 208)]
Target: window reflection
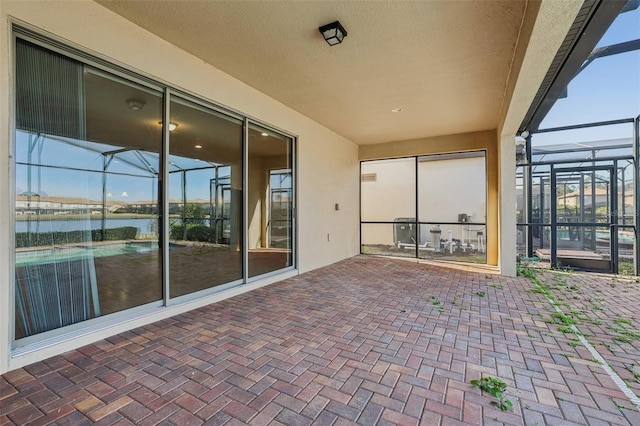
[(270, 197), (89, 216), (86, 193), (205, 199)]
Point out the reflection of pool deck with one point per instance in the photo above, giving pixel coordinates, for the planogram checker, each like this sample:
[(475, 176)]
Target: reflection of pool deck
[(133, 279)]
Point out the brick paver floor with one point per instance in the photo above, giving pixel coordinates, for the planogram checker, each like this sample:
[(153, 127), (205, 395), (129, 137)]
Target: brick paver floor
[(365, 341)]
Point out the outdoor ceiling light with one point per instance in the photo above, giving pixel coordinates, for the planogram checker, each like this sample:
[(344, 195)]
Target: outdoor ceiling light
[(333, 33), (172, 125)]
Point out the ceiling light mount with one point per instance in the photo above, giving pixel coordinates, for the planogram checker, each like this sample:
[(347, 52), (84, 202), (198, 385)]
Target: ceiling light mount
[(396, 109), (333, 33), (135, 104)]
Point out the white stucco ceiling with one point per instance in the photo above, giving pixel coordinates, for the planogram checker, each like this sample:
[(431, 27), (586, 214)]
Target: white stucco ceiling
[(445, 63)]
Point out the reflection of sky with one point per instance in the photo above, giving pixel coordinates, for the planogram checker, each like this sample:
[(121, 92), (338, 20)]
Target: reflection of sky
[(281, 180), (130, 179), (74, 170), (62, 180), (607, 89)]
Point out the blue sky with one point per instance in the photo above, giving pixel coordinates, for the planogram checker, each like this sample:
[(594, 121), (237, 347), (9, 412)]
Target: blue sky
[(608, 89)]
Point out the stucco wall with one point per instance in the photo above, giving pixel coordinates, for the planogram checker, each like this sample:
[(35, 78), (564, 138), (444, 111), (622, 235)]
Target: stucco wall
[(327, 163)]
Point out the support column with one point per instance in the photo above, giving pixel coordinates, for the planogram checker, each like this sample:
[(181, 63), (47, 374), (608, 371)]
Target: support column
[(636, 194), (507, 205)]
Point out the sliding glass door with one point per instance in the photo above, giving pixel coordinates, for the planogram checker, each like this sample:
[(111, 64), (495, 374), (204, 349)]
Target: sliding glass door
[(87, 146), (100, 176), (205, 227)]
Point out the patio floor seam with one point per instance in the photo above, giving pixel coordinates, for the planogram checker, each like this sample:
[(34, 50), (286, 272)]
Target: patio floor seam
[(633, 398)]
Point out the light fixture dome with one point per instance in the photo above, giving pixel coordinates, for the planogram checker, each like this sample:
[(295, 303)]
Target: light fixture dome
[(172, 125), (333, 33), (135, 104)]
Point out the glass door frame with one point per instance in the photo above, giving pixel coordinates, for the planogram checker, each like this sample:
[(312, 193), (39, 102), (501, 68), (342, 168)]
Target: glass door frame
[(612, 216), (293, 159), (289, 192)]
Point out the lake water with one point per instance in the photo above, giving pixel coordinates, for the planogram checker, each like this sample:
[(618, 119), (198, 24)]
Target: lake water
[(68, 254), (144, 225)]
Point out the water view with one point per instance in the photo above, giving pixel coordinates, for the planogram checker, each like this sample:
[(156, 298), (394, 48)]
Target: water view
[(144, 225)]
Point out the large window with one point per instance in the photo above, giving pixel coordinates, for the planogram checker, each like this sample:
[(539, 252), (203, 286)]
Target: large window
[(431, 207), (95, 192)]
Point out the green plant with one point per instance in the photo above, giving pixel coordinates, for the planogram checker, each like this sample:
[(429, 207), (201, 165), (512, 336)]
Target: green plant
[(494, 387), (621, 320), (563, 318), (618, 405), (632, 370), (33, 239), (481, 293), (201, 233), (193, 214)]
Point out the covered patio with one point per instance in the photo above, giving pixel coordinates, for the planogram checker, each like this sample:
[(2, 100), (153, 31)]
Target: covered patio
[(368, 340)]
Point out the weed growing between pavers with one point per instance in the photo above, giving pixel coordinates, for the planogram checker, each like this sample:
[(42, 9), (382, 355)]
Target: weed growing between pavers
[(636, 372), (496, 388), (592, 312)]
